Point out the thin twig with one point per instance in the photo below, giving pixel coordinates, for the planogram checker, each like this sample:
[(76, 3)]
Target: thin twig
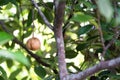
[(116, 35), (100, 30), (23, 25), (116, 30), (66, 25), (35, 56), (42, 15), (101, 35)]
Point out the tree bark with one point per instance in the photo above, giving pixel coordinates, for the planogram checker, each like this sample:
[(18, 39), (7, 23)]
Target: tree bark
[(59, 14), (101, 66)]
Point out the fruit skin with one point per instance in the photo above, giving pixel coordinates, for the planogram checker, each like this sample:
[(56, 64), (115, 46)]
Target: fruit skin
[(33, 44)]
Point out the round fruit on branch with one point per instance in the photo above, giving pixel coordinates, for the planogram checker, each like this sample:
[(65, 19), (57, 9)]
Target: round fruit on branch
[(33, 44)]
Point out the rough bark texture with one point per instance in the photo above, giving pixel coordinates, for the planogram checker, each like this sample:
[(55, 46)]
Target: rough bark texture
[(101, 66), (42, 15), (59, 14)]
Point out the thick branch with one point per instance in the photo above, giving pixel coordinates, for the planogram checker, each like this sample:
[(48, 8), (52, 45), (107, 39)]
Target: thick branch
[(59, 14), (42, 15), (102, 65)]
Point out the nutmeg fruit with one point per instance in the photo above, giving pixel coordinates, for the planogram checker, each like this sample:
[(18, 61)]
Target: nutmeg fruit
[(33, 44)]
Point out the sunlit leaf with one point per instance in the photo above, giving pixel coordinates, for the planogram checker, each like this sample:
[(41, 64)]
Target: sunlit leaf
[(8, 6), (40, 71), (80, 17), (5, 37), (105, 9), (17, 56)]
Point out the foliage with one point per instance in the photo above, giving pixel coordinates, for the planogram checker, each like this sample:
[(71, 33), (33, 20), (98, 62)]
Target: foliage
[(84, 21)]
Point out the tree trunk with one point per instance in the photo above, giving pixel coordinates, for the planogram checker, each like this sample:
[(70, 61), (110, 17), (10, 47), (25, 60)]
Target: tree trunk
[(59, 14)]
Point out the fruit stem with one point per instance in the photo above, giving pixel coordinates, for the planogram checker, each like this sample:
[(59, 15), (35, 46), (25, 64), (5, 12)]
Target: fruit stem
[(33, 22)]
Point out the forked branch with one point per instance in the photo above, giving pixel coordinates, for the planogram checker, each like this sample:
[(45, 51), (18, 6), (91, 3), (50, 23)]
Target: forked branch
[(42, 15), (101, 66)]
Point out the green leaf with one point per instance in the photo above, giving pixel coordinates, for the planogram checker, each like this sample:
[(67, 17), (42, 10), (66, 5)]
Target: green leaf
[(49, 77), (117, 43), (40, 71), (21, 58), (16, 56), (4, 2), (105, 9), (70, 54), (49, 15), (40, 18), (114, 77), (5, 37), (14, 2), (117, 19), (29, 32), (107, 36), (92, 38), (80, 17), (104, 75), (8, 6), (1, 78), (85, 29), (81, 46), (3, 73), (88, 4), (30, 15), (25, 78), (9, 63), (50, 4), (14, 74)]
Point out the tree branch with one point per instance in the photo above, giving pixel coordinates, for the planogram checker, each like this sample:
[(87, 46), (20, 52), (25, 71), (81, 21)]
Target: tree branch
[(36, 57), (100, 30), (59, 14), (42, 15), (102, 65), (116, 35)]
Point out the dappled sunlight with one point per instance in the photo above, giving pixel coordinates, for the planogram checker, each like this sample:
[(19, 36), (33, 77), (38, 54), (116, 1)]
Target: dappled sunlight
[(77, 60)]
